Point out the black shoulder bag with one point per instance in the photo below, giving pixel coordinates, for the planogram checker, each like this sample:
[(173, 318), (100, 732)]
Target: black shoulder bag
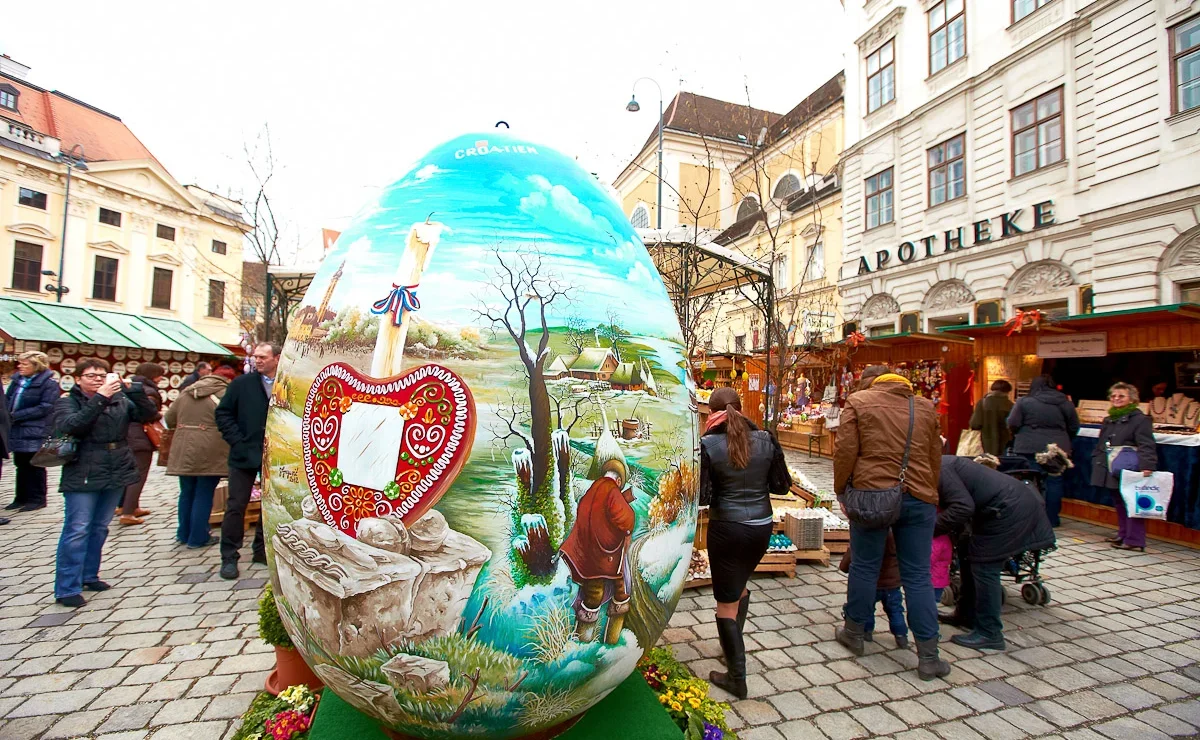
[(880, 509)]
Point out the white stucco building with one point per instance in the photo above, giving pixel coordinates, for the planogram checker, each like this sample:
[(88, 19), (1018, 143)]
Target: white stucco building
[(1015, 154)]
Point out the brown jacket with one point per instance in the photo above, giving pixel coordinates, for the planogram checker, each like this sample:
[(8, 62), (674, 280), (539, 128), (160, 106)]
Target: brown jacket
[(870, 442), (596, 546), (197, 447), (889, 569)]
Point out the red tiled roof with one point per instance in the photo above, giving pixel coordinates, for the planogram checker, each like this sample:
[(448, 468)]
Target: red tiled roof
[(809, 108), (709, 117), (101, 136)]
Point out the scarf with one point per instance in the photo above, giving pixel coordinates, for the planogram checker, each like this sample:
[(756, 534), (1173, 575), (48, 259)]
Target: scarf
[(715, 420), (892, 378), (1118, 412)]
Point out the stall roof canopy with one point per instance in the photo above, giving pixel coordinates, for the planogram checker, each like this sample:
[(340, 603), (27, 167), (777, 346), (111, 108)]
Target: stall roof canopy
[(910, 337), (1176, 313), (52, 322)]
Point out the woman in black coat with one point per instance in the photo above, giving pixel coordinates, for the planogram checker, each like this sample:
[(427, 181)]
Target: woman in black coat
[(31, 398), (97, 413), (1125, 426), (1044, 417), (147, 374), (1004, 517)]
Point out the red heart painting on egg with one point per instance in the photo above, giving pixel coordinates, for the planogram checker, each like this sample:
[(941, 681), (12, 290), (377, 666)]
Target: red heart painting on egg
[(375, 448)]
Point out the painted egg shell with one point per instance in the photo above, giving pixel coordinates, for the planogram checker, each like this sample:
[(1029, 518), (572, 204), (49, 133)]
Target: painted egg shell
[(480, 489)]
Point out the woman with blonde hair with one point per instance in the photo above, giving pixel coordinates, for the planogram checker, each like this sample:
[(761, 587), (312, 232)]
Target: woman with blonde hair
[(31, 398), (740, 467), (1126, 443)]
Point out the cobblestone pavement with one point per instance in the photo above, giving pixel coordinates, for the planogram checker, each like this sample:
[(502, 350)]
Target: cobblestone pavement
[(172, 650)]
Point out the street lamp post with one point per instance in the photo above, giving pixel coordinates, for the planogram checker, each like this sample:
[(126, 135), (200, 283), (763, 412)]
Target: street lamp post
[(633, 107), (70, 159)]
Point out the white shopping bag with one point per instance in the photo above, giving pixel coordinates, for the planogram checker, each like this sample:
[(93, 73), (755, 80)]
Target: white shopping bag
[(1147, 497)]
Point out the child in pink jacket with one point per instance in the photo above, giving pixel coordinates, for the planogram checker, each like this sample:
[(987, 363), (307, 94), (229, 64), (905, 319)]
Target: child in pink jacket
[(939, 564)]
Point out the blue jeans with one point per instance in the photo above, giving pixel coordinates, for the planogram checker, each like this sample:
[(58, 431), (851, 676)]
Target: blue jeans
[(85, 528), (1054, 491), (893, 607), (982, 590), (914, 541), (195, 506)]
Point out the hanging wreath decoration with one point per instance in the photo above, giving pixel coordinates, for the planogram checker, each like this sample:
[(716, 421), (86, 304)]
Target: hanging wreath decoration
[(1021, 320)]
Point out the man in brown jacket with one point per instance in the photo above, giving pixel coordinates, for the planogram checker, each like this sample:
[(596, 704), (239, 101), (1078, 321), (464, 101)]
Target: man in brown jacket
[(870, 447)]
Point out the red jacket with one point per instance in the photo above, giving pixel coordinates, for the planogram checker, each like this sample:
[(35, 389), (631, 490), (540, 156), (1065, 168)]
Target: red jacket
[(595, 548)]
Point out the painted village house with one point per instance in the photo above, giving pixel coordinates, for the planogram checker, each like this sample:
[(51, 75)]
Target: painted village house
[(1019, 154), (137, 241), (593, 363)]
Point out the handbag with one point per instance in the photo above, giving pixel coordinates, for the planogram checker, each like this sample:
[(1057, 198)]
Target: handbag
[(970, 443), (56, 450), (154, 432), (878, 509), (1122, 457), (164, 445), (1147, 497)]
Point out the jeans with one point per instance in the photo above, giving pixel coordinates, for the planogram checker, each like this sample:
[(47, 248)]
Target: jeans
[(893, 607), (937, 595), (233, 526), (1054, 491), (85, 527), (1131, 530), (195, 506), (913, 532), (981, 590)]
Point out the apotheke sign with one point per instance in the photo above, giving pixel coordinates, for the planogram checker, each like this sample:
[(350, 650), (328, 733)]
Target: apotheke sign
[(955, 240)]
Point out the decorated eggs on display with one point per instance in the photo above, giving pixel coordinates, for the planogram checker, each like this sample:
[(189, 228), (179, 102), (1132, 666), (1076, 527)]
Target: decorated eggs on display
[(480, 480)]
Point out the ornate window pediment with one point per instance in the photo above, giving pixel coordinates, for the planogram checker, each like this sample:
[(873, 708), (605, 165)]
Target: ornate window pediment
[(108, 246), (1041, 278), (27, 229), (880, 306), (881, 31), (948, 294), (165, 258)]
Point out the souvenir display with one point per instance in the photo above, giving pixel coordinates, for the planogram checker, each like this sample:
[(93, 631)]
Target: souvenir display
[(164, 354), (119, 368), (174, 381), (1176, 410), (66, 382), (193, 358), (118, 353), (172, 394), (178, 356), (175, 367), (87, 350), (67, 366), (103, 350), (135, 353), (70, 349), (55, 355), (484, 383), (189, 367)]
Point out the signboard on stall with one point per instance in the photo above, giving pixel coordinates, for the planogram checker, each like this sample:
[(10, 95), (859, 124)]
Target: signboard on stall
[(815, 324), (755, 382), (1094, 344)]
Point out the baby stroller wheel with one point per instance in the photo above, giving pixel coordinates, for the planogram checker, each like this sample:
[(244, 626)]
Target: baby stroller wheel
[(1045, 595), (950, 595), (1031, 593)]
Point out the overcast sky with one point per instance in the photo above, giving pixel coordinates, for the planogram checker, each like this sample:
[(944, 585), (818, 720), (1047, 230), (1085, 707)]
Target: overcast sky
[(355, 92)]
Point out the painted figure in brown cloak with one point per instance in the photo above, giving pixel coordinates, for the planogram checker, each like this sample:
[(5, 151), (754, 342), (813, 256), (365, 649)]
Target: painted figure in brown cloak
[(597, 549)]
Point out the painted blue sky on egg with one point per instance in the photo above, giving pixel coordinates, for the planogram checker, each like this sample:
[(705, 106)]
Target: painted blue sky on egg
[(518, 194)]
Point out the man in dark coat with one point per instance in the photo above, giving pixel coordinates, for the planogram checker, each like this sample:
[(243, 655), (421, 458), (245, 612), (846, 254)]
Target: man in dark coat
[(1042, 418), (996, 517), (203, 369), (242, 419), (990, 418)]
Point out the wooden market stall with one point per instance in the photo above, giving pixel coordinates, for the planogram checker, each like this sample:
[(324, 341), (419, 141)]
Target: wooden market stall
[(940, 367), (1088, 353)]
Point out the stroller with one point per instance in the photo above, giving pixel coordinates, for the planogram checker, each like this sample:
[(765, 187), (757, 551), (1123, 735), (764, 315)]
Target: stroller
[(1024, 567)]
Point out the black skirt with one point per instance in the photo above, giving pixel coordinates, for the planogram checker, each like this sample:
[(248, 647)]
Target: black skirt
[(734, 551)]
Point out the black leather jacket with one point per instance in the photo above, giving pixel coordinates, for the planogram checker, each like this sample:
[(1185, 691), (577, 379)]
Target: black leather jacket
[(741, 495)]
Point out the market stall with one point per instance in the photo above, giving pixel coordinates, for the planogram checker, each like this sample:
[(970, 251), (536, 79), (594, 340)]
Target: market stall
[(940, 368), (1148, 348), (69, 334)]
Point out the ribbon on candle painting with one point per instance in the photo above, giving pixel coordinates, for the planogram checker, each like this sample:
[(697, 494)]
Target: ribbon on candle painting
[(401, 298), (1031, 319)]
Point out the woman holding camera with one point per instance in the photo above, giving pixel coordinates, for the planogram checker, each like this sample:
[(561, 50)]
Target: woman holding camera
[(96, 413)]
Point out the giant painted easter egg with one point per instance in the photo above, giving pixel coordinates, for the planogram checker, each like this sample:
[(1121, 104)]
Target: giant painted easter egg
[(480, 485)]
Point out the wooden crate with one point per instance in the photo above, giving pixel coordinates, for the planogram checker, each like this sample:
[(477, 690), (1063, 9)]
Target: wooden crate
[(220, 495), (778, 562), (813, 556), (837, 541)]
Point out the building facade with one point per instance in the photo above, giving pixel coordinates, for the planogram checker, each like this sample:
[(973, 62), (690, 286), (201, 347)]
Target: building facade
[(137, 241), (1004, 155)]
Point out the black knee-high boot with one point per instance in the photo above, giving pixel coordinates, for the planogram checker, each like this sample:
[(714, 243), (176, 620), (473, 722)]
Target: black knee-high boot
[(743, 608), (734, 647)]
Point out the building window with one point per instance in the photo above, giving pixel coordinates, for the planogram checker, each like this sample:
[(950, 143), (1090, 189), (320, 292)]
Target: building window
[(31, 198), (1185, 64), (640, 218), (879, 199), (816, 261), (8, 98), (1022, 8), (160, 291), (882, 331), (112, 218), (1188, 293), (219, 247), (739, 344), (748, 208), (881, 76), (104, 282), (787, 185), (1052, 310), (782, 274), (1038, 133), (216, 299), (947, 34), (27, 267), (166, 232), (947, 171)]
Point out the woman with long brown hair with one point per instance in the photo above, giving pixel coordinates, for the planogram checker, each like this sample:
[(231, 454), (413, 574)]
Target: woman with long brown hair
[(740, 467)]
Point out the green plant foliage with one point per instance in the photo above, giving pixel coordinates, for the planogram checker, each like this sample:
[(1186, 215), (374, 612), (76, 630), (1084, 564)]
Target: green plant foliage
[(263, 708), (682, 695), (270, 626)]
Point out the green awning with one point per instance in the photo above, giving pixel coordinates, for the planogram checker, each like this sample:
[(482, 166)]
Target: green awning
[(19, 321), (181, 333), (83, 324), (140, 334)]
